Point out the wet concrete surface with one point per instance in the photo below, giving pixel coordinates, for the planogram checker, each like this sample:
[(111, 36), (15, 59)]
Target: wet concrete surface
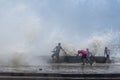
[(74, 68), (87, 69)]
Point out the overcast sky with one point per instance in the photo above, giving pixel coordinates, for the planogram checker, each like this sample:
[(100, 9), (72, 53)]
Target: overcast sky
[(26, 23)]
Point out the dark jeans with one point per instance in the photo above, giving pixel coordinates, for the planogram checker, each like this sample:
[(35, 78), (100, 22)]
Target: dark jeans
[(83, 58), (55, 55), (107, 56)]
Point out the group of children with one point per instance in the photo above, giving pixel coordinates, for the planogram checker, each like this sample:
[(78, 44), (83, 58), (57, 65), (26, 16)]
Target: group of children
[(86, 54)]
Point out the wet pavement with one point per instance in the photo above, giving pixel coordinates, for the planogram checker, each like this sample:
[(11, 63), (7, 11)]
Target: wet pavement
[(76, 68), (87, 69)]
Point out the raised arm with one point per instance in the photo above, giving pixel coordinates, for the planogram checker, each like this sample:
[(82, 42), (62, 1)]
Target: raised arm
[(63, 50)]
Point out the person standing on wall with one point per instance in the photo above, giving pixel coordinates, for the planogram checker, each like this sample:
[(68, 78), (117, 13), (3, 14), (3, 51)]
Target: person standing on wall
[(107, 53), (90, 56), (56, 52)]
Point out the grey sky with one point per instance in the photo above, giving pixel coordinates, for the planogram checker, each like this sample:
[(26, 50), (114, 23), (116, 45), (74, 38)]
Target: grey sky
[(79, 16), (41, 22)]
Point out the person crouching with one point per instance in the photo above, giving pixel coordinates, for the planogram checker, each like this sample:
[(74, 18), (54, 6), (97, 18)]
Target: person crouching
[(84, 56)]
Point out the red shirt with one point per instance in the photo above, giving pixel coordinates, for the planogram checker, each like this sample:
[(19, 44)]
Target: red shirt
[(83, 52)]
